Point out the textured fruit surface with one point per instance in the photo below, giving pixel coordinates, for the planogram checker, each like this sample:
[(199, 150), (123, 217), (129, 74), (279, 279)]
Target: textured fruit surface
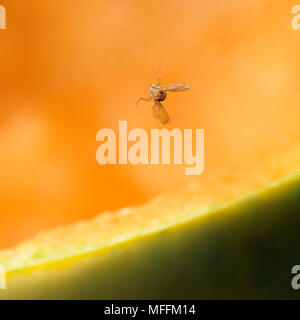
[(63, 80), (243, 248)]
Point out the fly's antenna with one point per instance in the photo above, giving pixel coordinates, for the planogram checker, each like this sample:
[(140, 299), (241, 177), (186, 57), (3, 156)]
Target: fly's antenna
[(159, 75)]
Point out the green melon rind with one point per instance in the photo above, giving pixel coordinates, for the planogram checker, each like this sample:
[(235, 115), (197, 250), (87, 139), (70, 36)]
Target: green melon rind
[(242, 249)]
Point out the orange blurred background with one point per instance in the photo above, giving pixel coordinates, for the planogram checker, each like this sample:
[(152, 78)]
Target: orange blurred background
[(69, 68)]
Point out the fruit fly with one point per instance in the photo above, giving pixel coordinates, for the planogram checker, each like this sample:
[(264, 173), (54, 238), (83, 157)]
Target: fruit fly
[(158, 95)]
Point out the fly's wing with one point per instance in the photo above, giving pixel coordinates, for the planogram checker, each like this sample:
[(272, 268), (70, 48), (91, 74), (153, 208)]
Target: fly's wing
[(160, 113), (176, 87)]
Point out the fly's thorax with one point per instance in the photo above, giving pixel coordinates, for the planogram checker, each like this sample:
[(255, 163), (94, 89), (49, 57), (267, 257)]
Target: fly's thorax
[(157, 93)]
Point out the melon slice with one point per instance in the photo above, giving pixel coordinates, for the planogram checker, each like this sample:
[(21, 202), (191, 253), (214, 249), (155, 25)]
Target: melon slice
[(224, 239), (232, 232)]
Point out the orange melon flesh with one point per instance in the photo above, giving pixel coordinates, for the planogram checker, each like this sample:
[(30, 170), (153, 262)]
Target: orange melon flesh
[(66, 81), (171, 246)]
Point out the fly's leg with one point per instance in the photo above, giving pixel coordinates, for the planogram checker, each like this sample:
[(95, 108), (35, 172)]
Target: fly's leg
[(144, 99)]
